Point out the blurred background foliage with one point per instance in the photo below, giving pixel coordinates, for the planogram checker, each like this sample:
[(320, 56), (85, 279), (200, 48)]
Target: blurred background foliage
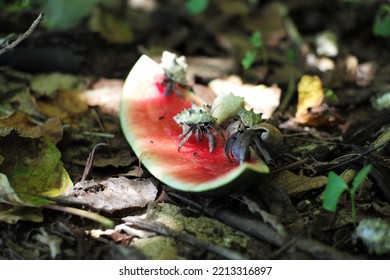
[(68, 14), (218, 28)]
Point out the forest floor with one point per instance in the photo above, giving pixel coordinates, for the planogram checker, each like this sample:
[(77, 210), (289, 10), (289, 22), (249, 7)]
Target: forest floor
[(65, 86)]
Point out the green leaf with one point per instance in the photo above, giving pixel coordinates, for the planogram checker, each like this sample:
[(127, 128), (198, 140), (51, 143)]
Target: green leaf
[(31, 174), (257, 39), (196, 6), (248, 60), (330, 96), (382, 22), (333, 190), (359, 178), (34, 168)]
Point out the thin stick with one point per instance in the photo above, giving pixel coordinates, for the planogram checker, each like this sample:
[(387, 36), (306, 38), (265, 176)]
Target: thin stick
[(360, 156), (22, 36)]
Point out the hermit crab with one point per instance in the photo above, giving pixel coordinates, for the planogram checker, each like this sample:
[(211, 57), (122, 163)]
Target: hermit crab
[(175, 73), (260, 138), (247, 134), (198, 120)]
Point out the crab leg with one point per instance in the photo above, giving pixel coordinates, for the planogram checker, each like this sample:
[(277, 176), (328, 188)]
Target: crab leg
[(168, 87), (217, 130), (212, 140), (260, 149), (177, 90), (185, 135), (229, 144), (199, 133)]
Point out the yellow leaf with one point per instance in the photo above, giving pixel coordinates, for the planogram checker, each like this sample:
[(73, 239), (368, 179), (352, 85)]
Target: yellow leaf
[(310, 94), (65, 105), (26, 127), (311, 109)]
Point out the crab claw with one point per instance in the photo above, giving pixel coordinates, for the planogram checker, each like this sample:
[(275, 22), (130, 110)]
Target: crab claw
[(238, 145), (242, 151)]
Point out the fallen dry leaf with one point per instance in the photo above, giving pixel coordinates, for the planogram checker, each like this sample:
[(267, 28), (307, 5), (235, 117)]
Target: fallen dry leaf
[(310, 95), (24, 101), (295, 185), (204, 93), (65, 104), (260, 98), (49, 84), (26, 127), (111, 194), (208, 68), (120, 158), (105, 94), (52, 129)]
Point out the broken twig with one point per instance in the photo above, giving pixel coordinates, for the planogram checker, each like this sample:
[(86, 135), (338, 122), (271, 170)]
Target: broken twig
[(22, 36)]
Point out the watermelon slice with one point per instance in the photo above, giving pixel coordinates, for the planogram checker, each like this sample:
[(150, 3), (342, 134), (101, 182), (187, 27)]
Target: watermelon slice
[(147, 122)]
